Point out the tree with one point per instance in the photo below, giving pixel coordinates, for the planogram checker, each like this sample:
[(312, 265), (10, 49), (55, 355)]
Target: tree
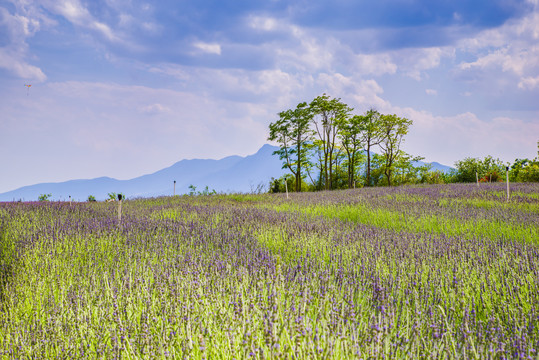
[(278, 185), (471, 169), (518, 166), (408, 171), (114, 196), (44, 197), (327, 114), (91, 198), (525, 170), (350, 130), (393, 130), (293, 133), (372, 135), (530, 173)]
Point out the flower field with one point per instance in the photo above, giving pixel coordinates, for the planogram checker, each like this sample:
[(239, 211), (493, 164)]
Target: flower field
[(449, 271)]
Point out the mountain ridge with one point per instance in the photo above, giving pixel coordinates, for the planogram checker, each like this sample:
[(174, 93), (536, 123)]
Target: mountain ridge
[(229, 174)]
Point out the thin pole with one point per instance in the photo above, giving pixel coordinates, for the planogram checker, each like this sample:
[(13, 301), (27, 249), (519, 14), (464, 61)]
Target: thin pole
[(507, 180), (119, 207), (477, 178), (174, 187), (286, 187)]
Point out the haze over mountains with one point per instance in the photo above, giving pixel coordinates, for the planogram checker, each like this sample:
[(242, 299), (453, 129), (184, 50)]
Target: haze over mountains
[(230, 174)]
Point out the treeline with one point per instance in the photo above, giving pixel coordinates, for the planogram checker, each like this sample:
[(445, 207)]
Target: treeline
[(325, 146), (489, 169)]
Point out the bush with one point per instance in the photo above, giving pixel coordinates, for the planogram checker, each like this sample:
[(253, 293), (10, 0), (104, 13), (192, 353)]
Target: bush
[(492, 176), (44, 197), (467, 169), (530, 173)]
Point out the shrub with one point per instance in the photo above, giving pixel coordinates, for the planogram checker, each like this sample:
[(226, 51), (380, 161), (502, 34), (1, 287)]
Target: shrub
[(44, 197)]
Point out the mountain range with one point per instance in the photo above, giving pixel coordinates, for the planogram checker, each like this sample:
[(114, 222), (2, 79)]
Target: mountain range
[(230, 174)]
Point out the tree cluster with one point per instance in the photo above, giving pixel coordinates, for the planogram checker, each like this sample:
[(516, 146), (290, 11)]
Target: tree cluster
[(489, 169), (325, 146)]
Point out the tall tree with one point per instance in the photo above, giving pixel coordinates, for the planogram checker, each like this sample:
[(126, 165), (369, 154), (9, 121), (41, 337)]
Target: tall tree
[(327, 114), (350, 131), (292, 132), (393, 129), (372, 136)]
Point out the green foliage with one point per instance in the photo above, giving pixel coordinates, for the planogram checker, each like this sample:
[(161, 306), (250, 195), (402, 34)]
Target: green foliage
[(530, 173), (324, 141), (372, 136), (328, 117), (204, 192), (485, 168), (412, 272), (434, 177), (406, 172), (525, 170), (350, 129), (293, 134), (114, 196), (278, 185), (394, 129), (91, 198), (44, 197)]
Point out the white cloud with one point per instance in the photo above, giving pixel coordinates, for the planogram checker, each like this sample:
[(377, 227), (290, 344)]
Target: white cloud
[(375, 64), (13, 56), (414, 62), (126, 20), (14, 62), (210, 48), (105, 30), (359, 93), (529, 83), (263, 23), (511, 48), (448, 138), (76, 13), (73, 11), (509, 60), (431, 92), (276, 88), (154, 109)]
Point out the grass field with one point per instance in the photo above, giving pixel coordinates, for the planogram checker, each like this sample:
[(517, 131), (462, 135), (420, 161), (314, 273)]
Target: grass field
[(449, 271)]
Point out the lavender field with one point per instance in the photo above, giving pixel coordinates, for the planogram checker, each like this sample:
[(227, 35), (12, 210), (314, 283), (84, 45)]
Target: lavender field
[(449, 271)]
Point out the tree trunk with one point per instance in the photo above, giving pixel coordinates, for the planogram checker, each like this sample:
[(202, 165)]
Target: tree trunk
[(368, 164), (298, 167)]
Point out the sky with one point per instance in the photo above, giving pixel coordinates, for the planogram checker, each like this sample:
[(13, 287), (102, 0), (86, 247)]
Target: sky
[(123, 88)]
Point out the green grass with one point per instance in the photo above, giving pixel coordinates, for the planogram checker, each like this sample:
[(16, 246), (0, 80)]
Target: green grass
[(360, 274), (400, 220)]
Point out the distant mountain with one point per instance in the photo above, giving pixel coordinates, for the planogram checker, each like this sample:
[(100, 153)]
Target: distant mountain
[(435, 166), (230, 174), (440, 167)]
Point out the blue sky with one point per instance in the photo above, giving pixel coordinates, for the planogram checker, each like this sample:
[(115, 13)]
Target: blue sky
[(122, 88)]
